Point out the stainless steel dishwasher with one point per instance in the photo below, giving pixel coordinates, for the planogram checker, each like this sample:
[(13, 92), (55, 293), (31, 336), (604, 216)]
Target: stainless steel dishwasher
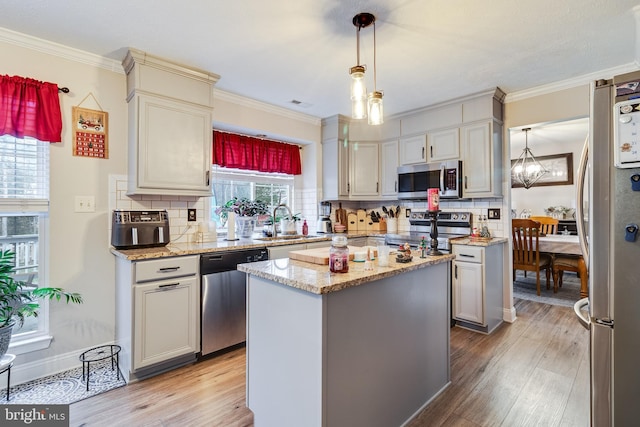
[(224, 290)]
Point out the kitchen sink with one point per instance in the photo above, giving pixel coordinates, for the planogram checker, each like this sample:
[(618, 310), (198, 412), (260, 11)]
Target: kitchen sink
[(285, 237)]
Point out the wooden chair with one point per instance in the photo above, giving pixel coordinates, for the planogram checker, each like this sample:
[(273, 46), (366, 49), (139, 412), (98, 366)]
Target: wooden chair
[(562, 263), (526, 253), (548, 225)]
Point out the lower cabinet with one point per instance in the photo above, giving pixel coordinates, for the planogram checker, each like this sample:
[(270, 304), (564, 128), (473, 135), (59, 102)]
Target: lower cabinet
[(477, 286), (165, 316), (157, 314)]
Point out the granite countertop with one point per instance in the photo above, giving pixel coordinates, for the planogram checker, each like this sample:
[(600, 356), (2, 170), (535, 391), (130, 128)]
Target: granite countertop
[(471, 242), (317, 279), (180, 249)]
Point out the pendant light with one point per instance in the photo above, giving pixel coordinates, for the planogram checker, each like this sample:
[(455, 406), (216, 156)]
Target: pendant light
[(363, 105), (527, 170)]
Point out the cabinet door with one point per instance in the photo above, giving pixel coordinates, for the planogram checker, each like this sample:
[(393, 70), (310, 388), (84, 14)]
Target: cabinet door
[(413, 150), (477, 164), (335, 169), (468, 289), (276, 252), (389, 168), (365, 180), (443, 145), (172, 145), (165, 320)]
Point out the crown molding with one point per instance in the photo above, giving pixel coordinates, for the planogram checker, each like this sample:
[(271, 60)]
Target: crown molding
[(58, 50), (263, 106), (571, 83)]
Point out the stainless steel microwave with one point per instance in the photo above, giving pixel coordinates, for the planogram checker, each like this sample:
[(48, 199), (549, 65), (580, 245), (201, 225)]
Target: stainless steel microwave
[(415, 180)]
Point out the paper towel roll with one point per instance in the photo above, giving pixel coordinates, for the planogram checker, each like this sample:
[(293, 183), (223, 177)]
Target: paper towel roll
[(231, 226)]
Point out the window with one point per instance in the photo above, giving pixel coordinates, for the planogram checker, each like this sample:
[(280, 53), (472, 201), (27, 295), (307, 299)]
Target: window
[(24, 205), (271, 188)]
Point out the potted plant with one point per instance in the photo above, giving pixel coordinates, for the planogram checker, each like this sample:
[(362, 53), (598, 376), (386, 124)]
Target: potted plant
[(17, 300), (247, 212)]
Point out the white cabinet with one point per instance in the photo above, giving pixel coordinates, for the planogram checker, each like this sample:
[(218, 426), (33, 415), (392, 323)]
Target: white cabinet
[(365, 170), (335, 169), (482, 160), (165, 320), (413, 150), (171, 149), (389, 169), (276, 252), (170, 126), (157, 314), (443, 145), (477, 286)]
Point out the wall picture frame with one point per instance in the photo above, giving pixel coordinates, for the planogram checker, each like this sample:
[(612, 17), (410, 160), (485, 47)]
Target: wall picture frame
[(560, 167), (90, 133)]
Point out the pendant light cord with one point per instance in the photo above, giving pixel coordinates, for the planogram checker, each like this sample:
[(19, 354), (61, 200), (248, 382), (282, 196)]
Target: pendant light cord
[(375, 86)]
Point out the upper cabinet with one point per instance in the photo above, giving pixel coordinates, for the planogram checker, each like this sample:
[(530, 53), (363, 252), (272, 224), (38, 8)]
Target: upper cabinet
[(360, 162), (443, 145), (413, 150), (389, 169), (170, 126)]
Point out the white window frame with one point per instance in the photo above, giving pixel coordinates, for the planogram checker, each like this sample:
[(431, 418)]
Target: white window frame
[(252, 176), (40, 338)]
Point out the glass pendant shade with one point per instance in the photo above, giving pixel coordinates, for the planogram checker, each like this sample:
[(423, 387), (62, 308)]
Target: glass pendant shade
[(375, 107), (358, 92), (527, 170)]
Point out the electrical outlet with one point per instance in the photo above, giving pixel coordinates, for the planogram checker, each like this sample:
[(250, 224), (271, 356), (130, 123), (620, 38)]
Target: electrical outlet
[(191, 215), (494, 213), (85, 204)]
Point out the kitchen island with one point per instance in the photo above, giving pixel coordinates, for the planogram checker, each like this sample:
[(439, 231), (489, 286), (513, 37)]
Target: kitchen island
[(364, 348)]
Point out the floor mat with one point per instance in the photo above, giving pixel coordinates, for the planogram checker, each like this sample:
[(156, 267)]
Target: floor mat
[(65, 387), (567, 295)]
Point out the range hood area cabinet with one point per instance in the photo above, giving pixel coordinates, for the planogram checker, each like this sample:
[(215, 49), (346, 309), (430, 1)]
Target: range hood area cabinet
[(170, 112)]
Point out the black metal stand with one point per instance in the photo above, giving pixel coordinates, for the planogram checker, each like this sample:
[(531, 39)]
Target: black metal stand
[(433, 216)]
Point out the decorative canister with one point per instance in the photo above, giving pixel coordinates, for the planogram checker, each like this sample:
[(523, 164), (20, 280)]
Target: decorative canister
[(339, 255)]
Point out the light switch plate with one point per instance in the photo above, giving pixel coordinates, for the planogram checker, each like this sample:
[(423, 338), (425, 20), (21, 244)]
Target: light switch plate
[(494, 213), (85, 204)]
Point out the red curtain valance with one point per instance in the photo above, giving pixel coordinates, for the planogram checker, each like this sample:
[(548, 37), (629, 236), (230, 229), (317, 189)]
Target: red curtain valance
[(30, 108), (245, 152)]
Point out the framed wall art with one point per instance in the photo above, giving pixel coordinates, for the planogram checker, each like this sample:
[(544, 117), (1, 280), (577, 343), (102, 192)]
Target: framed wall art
[(559, 167), (90, 133)]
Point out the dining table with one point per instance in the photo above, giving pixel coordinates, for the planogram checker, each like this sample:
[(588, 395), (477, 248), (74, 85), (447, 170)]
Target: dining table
[(566, 244)]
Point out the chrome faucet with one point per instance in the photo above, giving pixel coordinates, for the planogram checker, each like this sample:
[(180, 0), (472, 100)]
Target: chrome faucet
[(281, 205)]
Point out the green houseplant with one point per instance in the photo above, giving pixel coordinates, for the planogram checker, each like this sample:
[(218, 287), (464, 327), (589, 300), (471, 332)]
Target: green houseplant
[(247, 212), (18, 301)]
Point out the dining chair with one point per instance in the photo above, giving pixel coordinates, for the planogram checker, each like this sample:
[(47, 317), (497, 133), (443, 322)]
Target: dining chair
[(548, 224), (526, 253), (575, 263)]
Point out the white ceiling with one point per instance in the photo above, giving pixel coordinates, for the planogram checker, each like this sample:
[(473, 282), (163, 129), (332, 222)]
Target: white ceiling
[(276, 51)]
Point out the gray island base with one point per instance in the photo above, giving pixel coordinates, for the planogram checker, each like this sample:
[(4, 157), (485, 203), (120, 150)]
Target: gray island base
[(366, 348)]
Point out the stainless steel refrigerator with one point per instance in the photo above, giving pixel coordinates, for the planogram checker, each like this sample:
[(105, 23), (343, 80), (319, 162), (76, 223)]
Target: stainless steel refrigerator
[(613, 252)]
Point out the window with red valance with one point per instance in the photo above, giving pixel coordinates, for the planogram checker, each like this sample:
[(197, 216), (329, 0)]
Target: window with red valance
[(231, 150), (30, 108)]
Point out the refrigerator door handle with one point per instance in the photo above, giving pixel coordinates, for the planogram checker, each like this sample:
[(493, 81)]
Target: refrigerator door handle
[(580, 183), (577, 307)]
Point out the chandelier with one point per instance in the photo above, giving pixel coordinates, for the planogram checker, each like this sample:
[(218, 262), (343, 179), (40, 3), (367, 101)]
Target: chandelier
[(363, 104), (527, 170)]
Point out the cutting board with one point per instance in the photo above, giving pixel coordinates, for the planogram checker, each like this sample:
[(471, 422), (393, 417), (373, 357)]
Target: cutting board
[(341, 216), (321, 255)]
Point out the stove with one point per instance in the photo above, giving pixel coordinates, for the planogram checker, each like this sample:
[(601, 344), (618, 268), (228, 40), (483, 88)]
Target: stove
[(451, 225)]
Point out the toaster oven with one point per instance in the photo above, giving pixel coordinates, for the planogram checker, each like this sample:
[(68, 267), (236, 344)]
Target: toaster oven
[(139, 229)]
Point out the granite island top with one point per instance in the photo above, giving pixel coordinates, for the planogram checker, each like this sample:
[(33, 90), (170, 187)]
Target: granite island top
[(257, 241), (318, 279), (469, 241)]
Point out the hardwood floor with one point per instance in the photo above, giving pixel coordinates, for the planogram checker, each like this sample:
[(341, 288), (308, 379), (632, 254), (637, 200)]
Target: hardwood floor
[(532, 372)]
